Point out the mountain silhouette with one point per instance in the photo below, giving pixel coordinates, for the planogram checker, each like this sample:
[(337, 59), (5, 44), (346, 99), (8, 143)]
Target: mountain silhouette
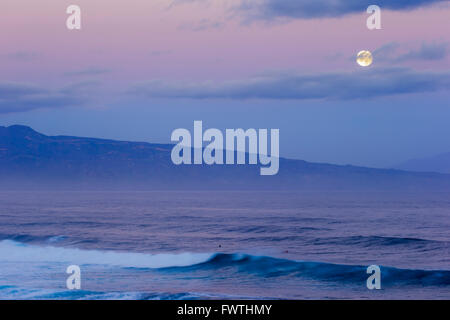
[(439, 163), (30, 160)]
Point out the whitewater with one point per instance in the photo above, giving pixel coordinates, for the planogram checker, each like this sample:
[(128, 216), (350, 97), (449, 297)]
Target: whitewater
[(203, 245)]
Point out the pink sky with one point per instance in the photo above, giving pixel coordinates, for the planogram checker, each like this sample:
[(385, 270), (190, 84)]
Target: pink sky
[(141, 40)]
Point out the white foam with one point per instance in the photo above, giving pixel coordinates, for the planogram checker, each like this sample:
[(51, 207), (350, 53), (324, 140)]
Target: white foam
[(16, 252)]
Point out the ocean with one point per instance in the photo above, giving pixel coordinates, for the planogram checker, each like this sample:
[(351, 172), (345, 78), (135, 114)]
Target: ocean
[(224, 245)]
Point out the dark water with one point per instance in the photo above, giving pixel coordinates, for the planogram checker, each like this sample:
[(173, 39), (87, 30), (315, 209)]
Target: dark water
[(188, 245)]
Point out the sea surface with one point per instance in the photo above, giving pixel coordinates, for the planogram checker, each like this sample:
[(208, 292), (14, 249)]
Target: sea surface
[(224, 245)]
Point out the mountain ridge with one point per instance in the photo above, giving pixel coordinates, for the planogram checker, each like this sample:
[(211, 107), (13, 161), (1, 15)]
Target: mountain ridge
[(439, 164), (29, 159)]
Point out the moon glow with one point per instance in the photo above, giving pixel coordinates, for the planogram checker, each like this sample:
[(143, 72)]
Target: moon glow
[(364, 58)]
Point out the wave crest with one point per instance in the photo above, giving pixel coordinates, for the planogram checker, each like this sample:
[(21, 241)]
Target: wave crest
[(262, 266)]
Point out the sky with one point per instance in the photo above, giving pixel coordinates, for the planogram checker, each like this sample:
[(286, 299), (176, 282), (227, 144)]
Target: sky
[(139, 69)]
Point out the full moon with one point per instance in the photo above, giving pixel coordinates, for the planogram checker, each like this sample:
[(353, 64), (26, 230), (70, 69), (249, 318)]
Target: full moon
[(364, 58)]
